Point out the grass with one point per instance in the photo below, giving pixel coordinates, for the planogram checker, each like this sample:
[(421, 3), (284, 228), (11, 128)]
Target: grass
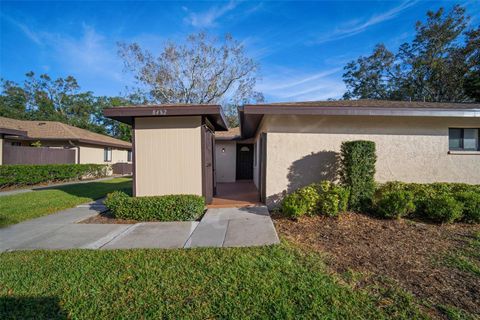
[(24, 206), (264, 282), (467, 259)]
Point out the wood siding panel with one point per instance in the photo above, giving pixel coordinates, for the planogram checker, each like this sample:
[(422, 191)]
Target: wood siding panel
[(168, 156)]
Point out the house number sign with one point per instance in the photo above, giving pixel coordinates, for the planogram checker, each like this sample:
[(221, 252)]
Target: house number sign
[(159, 112)]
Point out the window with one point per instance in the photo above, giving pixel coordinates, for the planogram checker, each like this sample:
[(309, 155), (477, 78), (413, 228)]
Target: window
[(129, 155), (107, 154), (17, 144), (463, 139)]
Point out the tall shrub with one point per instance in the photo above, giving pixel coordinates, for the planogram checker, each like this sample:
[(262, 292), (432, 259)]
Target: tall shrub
[(357, 170)]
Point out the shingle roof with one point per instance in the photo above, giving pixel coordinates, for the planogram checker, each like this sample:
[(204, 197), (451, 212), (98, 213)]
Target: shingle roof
[(53, 130), (366, 103)]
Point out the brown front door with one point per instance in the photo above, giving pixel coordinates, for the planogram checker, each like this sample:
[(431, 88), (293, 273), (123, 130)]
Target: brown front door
[(244, 161), (208, 183)]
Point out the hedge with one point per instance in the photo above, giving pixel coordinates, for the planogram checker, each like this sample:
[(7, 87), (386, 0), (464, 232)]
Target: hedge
[(357, 171), (24, 175), (438, 202), (182, 207)]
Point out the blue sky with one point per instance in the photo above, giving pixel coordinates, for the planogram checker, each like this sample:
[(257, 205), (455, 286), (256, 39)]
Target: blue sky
[(301, 46)]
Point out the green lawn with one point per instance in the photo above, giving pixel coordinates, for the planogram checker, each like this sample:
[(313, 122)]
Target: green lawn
[(468, 258), (24, 206), (268, 282)]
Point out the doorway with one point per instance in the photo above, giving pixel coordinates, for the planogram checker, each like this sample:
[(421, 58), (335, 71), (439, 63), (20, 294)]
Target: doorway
[(244, 170)]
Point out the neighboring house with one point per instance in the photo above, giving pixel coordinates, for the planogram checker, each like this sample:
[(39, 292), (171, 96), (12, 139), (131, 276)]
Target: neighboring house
[(41, 142), (284, 146)]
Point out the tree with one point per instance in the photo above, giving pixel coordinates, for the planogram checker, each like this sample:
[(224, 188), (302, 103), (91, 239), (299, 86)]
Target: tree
[(436, 66), (42, 98), (203, 70), (370, 77)]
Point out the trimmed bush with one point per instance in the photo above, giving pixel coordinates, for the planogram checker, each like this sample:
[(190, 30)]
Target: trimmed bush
[(318, 198), (24, 175), (471, 205), (357, 171), (293, 205), (443, 208), (393, 204), (158, 208), (333, 199), (303, 201)]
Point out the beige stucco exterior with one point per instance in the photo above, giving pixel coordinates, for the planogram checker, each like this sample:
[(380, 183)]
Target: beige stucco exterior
[(303, 149), (225, 160), (168, 156)]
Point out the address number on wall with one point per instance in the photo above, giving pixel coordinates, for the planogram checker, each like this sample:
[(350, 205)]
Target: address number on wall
[(160, 112)]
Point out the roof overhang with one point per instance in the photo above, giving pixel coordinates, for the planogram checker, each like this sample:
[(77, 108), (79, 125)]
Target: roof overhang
[(12, 132), (213, 113), (251, 115), (85, 141)]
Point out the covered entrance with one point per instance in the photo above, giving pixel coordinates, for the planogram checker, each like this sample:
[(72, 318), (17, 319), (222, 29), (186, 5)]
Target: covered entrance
[(235, 194), (244, 170)]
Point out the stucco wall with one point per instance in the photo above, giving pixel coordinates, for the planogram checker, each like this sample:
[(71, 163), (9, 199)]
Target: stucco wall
[(303, 149), (225, 162), (168, 156)]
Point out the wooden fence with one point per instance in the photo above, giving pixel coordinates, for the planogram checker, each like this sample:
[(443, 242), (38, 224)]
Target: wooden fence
[(122, 168), (34, 155)]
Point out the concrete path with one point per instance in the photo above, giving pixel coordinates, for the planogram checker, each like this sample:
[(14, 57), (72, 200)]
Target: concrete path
[(225, 227), (51, 186)]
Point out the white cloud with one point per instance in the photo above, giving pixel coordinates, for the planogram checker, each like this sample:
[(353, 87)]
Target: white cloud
[(25, 29), (355, 26), (289, 85), (208, 18)]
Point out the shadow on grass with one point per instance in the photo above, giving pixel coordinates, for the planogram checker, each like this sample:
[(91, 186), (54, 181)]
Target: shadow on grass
[(92, 190), (31, 308)]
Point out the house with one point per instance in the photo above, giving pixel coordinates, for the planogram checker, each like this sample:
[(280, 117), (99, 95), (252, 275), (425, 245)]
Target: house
[(280, 147), (57, 143)]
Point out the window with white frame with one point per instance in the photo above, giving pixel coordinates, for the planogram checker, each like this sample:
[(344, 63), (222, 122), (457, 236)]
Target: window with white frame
[(463, 139), (107, 154), (129, 155)]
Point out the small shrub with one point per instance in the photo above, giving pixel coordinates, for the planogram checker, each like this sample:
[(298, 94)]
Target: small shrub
[(23, 175), (471, 205), (443, 208), (293, 205), (310, 197), (393, 203), (357, 171), (333, 199), (302, 201), (158, 208)]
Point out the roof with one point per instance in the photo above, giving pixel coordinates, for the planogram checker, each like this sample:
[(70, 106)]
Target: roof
[(251, 115), (366, 103), (54, 130), (214, 113), (231, 134)]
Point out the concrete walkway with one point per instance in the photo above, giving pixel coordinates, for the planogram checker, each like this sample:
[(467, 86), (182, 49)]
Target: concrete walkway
[(225, 227), (51, 186)]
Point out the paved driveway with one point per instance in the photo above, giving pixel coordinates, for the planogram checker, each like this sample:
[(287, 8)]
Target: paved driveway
[(223, 227)]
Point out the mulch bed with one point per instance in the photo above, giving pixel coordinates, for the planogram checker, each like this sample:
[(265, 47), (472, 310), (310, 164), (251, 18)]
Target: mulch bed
[(107, 218), (406, 251)]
